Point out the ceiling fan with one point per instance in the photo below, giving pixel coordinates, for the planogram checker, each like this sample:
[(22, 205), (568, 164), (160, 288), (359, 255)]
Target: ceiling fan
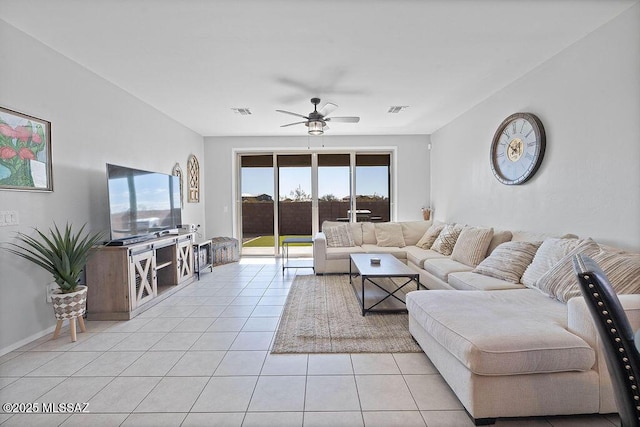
[(316, 121)]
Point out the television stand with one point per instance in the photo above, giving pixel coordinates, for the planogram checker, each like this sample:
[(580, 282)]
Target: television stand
[(123, 281)]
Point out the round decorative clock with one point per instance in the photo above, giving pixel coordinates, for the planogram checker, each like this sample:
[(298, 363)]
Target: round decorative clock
[(518, 148)]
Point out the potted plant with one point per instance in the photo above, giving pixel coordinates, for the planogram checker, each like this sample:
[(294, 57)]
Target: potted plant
[(64, 255)]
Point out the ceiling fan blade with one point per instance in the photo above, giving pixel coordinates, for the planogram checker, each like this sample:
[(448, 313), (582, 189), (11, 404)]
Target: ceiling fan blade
[(293, 114), (343, 119), (327, 109), (291, 124)]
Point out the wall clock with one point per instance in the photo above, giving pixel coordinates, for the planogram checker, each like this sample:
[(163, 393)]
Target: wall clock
[(518, 148)]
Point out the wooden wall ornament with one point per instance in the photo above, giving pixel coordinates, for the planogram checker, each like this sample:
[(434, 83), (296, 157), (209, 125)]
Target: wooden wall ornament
[(193, 180), (177, 171)]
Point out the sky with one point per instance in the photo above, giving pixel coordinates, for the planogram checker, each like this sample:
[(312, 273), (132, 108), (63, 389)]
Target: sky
[(331, 180)]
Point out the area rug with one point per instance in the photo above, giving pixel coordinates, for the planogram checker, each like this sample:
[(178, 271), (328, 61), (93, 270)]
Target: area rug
[(323, 315)]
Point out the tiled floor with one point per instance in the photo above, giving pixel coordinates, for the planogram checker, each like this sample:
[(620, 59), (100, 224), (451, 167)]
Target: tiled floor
[(201, 357)]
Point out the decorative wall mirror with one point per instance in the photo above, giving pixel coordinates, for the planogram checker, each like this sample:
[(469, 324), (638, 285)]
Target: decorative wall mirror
[(193, 177)]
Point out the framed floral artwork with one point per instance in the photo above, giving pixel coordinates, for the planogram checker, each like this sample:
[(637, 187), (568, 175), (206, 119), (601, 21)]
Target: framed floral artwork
[(25, 152)]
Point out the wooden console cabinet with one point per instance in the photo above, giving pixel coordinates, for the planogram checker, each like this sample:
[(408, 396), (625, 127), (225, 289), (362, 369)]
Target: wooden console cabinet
[(124, 281)]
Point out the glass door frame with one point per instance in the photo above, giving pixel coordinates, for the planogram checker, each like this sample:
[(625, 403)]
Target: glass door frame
[(236, 183)]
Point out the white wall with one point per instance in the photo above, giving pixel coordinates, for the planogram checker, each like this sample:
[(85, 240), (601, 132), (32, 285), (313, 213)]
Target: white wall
[(588, 98), (93, 122), (412, 172)]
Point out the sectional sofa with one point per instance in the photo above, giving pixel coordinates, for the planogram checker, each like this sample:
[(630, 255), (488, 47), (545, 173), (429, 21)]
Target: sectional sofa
[(503, 320)]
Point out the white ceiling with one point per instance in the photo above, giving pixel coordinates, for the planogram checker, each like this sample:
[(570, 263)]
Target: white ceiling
[(195, 60)]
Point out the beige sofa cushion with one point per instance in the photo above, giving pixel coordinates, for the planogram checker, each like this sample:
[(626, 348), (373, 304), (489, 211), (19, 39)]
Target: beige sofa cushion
[(412, 231), (389, 234), (560, 281), (400, 253), (418, 256), (338, 236), (471, 246), (549, 253), (499, 237), (442, 267), (447, 238), (368, 233), (470, 281), (508, 261), (501, 333), (356, 229), (622, 270), (430, 236), (343, 253)]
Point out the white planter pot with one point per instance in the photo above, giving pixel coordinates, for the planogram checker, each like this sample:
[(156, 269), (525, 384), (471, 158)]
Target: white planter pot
[(71, 305)]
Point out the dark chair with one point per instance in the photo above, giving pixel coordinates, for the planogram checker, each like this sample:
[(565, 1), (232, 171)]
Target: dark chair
[(621, 355)]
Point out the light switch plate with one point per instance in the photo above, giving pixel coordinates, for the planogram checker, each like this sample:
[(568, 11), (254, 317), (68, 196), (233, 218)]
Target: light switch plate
[(9, 218)]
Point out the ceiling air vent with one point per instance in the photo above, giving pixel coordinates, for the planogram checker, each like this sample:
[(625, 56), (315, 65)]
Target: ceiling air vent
[(395, 109), (242, 111)]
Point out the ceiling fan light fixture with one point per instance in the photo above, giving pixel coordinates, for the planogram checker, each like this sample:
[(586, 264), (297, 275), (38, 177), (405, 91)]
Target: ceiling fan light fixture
[(315, 127)]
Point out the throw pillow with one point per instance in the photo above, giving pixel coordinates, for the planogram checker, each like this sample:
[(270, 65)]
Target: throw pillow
[(499, 237), (622, 270), (508, 261), (560, 281), (447, 238), (430, 236), (389, 234), (549, 253), (338, 236), (471, 246)]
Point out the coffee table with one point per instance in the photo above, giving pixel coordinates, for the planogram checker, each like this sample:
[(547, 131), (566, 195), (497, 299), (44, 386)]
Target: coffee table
[(377, 288)]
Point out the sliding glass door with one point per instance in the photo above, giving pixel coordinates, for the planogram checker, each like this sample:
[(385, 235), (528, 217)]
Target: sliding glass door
[(292, 194), (257, 207), (294, 201)]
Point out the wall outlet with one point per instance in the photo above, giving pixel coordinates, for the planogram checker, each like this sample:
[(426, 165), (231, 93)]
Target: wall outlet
[(9, 218), (50, 289)]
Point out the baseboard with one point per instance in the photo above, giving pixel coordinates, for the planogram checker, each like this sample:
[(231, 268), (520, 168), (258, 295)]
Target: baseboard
[(27, 340)]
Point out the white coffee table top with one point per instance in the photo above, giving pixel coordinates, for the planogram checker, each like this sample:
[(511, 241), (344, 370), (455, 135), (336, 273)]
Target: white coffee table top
[(389, 266)]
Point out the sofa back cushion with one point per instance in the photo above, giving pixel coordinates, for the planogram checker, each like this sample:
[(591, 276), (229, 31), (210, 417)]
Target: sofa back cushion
[(430, 236), (338, 236), (499, 237), (447, 238), (389, 234), (356, 230), (549, 253), (560, 281), (622, 269), (368, 233), (412, 231), (508, 261), (471, 246)]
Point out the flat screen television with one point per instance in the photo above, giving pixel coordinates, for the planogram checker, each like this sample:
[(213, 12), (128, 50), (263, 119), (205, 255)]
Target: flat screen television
[(142, 203)]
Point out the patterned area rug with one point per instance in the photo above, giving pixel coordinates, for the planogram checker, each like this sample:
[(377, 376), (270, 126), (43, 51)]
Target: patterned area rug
[(323, 315)]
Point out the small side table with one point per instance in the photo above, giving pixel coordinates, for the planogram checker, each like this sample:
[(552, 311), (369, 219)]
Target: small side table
[(285, 251), (203, 256)]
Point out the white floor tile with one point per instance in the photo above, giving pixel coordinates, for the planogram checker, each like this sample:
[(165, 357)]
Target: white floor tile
[(273, 419), (223, 419), (173, 394), (197, 363), (228, 324), (176, 341), (384, 392), (261, 324), (375, 363), (122, 394), (241, 363), (94, 420), (278, 393), (110, 364), (285, 364), (252, 341), (153, 364), (393, 418), (214, 341), (331, 393), (155, 420), (330, 364), (431, 392), (333, 419), (226, 394), (414, 363)]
